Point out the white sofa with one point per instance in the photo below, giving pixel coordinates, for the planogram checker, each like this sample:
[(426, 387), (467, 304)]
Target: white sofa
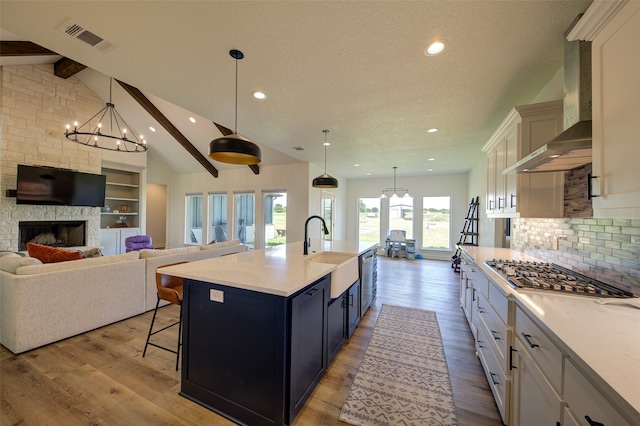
[(44, 303)]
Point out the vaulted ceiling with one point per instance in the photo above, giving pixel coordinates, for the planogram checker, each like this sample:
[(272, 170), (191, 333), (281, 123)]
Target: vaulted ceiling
[(356, 68)]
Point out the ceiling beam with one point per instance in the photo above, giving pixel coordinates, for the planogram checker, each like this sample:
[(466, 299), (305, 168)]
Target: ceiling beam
[(23, 48), (168, 126), (65, 68), (226, 132)]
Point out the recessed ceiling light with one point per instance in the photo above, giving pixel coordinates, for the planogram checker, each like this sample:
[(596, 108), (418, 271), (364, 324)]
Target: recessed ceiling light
[(152, 128), (430, 159), (259, 95), (368, 174), (191, 119), (434, 48), (432, 130), (356, 165), (430, 170)]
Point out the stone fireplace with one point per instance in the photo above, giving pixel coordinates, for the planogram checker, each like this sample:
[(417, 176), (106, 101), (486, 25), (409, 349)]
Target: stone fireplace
[(67, 233)]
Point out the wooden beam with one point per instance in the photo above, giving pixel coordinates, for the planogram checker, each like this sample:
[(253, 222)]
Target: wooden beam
[(65, 68), (23, 48), (168, 126), (226, 132)]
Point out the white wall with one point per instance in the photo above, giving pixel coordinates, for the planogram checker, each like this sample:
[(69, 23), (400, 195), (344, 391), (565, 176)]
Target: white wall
[(453, 185)]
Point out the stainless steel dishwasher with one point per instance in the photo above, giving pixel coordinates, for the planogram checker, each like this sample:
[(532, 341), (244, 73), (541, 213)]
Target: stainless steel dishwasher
[(366, 281)]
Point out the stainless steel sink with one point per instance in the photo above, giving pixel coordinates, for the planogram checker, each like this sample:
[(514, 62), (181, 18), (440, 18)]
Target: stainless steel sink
[(346, 272)]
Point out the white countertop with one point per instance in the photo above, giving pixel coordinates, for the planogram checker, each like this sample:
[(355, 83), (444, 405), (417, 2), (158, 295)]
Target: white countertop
[(280, 270), (603, 339)]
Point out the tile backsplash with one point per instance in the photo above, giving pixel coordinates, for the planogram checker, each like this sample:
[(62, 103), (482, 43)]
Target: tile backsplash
[(605, 249)]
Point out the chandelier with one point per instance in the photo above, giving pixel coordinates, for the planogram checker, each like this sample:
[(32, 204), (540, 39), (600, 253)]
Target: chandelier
[(110, 134), (395, 190)]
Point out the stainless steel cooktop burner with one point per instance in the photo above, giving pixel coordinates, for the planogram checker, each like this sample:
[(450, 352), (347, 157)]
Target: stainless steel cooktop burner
[(549, 276)]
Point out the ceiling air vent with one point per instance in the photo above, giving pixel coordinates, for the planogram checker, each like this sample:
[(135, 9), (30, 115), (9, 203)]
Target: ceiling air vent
[(298, 148), (79, 32)]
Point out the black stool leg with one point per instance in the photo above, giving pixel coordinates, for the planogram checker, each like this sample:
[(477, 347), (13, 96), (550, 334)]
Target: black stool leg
[(151, 327), (179, 339)]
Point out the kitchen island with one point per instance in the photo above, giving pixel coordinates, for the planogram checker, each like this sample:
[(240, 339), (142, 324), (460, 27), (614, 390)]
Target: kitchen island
[(573, 358), (255, 328)]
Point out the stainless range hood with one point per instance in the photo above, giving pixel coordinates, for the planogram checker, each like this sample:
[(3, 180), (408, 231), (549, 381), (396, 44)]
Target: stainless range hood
[(572, 147)]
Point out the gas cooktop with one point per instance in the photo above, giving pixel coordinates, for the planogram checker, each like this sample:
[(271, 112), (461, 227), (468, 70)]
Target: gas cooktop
[(549, 276)]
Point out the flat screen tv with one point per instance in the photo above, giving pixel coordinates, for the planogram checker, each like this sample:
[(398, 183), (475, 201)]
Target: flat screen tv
[(61, 187)]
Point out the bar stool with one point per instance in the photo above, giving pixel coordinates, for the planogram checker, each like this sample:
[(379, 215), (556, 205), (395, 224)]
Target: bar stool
[(170, 289)]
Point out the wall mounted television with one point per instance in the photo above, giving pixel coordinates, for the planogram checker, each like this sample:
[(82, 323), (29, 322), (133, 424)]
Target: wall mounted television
[(61, 187)]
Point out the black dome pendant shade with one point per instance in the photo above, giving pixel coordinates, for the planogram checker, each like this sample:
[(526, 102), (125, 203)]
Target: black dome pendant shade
[(235, 149), (324, 180)]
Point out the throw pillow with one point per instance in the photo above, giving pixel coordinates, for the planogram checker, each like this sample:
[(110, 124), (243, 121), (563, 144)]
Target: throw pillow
[(48, 254), (94, 252)]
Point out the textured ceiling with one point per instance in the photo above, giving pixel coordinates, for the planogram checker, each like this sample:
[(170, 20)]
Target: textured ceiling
[(356, 68)]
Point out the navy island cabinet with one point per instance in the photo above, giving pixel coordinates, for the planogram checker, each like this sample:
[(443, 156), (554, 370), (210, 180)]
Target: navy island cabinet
[(253, 357)]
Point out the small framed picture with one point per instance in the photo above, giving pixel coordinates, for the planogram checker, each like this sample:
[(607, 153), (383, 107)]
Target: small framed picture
[(124, 208)]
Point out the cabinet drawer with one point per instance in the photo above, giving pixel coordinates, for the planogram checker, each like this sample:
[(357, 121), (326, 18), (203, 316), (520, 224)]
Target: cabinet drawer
[(499, 302), (499, 384), (496, 331), (542, 350), (586, 402), (480, 282)]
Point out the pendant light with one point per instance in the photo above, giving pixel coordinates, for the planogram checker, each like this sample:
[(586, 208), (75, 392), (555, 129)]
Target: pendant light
[(395, 190), (235, 149), (324, 180)]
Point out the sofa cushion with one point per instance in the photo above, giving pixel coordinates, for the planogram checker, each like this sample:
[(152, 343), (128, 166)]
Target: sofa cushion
[(94, 252), (220, 245), (11, 262), (83, 263), (48, 254), (146, 253)]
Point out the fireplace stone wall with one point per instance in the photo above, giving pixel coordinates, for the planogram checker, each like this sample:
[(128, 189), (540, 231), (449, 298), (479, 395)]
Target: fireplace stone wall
[(35, 107)]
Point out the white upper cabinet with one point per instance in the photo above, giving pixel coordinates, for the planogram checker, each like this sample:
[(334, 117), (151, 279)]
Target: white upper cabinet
[(524, 130), (616, 112)]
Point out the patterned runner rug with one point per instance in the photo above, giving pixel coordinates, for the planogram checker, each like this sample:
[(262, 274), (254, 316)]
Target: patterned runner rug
[(403, 379)]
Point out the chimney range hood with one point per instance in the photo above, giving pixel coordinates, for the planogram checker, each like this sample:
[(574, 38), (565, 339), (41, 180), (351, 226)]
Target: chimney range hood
[(572, 147)]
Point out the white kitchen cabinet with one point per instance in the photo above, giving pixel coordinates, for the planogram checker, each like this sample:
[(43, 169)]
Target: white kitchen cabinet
[(535, 402), (112, 239), (493, 339), (524, 130), (585, 402), (616, 116)]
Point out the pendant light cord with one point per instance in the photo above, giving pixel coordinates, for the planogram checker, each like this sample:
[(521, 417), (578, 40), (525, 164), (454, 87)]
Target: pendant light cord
[(236, 123)]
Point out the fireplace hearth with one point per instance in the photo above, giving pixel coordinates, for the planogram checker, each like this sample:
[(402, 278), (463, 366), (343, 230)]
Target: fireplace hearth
[(52, 233)]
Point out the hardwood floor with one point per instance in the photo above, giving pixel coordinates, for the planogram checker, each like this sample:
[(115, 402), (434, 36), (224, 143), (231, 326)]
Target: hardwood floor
[(100, 377)]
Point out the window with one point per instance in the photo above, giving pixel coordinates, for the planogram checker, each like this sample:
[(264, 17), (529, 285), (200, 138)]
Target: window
[(218, 217), (193, 215), (401, 215), (275, 218), (436, 221), (328, 209), (369, 220), (245, 218)]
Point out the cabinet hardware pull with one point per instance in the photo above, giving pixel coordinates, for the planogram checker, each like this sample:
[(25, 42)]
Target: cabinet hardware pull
[(500, 202), (511, 351), (313, 291), (529, 342), (590, 186), (495, 335), (512, 196), (480, 344), (593, 422), (490, 204), (480, 310), (351, 300), (493, 379)]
